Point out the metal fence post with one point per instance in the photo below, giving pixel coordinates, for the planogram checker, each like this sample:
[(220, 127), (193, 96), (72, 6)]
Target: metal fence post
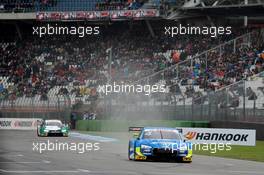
[(206, 60), (234, 49), (249, 39), (226, 104), (33, 106), (192, 109), (184, 112), (177, 69), (175, 106), (216, 108), (201, 117), (48, 108), (221, 49), (209, 107), (58, 102), (244, 100), (254, 108)]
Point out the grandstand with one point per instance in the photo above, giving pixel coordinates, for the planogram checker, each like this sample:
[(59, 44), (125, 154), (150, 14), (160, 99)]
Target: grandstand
[(205, 77), (19, 6)]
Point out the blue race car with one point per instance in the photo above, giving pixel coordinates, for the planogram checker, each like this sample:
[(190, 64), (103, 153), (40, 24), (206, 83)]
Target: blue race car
[(155, 143)]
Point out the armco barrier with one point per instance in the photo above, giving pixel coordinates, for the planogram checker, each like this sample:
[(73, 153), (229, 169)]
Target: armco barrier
[(122, 125), (259, 127), (201, 124)]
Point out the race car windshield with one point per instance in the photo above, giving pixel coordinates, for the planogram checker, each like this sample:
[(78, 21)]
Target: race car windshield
[(53, 124), (161, 134), (152, 134), (170, 135)]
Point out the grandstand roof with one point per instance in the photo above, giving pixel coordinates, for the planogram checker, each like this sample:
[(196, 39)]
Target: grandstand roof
[(231, 10)]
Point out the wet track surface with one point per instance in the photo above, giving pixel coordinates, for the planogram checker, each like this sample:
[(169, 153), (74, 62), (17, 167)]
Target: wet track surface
[(17, 157)]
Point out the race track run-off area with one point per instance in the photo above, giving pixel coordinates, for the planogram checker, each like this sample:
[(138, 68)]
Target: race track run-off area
[(18, 157)]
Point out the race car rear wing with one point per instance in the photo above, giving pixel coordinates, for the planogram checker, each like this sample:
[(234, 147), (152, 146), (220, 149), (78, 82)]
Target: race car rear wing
[(180, 130), (138, 129), (135, 129)]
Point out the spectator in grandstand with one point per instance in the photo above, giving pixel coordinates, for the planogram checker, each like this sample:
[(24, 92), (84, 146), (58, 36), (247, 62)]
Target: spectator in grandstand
[(86, 116), (119, 5), (63, 91), (25, 5)]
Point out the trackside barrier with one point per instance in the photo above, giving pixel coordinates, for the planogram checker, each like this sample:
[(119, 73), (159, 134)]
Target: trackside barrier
[(122, 125), (19, 123), (215, 135)]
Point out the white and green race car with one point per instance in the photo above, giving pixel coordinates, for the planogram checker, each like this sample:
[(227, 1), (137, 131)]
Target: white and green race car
[(52, 128)]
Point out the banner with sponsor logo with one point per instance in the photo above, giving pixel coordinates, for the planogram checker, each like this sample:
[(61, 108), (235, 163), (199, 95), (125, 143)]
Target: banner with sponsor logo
[(97, 15), (217, 135), (19, 123)]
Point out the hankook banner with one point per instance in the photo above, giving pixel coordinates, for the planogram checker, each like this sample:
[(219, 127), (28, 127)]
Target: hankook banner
[(217, 135)]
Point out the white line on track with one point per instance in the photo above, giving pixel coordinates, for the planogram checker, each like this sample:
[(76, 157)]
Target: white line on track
[(117, 172), (44, 161), (43, 171), (111, 172), (82, 170), (91, 137), (11, 155), (246, 172)]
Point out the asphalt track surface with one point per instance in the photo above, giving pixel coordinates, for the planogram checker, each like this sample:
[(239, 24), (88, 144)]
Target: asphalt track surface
[(17, 157)]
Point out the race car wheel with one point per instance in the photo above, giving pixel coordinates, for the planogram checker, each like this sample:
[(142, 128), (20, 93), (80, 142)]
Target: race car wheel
[(183, 159), (129, 157), (129, 152), (38, 132)]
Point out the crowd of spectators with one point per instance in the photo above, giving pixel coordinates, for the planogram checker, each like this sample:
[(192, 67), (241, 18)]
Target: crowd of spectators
[(25, 5), (120, 4), (36, 66), (32, 5), (220, 70), (231, 66)]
